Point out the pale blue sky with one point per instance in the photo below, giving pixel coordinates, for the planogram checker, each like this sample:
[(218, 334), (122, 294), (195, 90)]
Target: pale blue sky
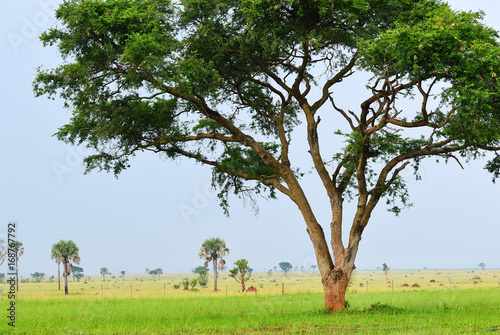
[(158, 213)]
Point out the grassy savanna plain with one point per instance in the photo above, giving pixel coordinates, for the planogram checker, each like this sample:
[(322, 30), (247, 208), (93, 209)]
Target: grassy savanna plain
[(449, 304)]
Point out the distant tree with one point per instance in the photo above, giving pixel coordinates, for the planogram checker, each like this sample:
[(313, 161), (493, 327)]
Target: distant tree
[(213, 250), (185, 283), (38, 276), (482, 266), (269, 273), (18, 249), (200, 268), (159, 272), (77, 273), (123, 274), (68, 251), (240, 273), (58, 259), (104, 271), (147, 270), (386, 269), (2, 277), (285, 267), (313, 267), (203, 277), (4, 249), (250, 271), (153, 274)]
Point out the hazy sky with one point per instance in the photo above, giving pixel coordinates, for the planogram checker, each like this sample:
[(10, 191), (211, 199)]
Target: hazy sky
[(158, 213)]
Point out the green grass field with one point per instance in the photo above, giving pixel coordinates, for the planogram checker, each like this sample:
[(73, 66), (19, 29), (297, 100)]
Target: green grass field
[(443, 306)]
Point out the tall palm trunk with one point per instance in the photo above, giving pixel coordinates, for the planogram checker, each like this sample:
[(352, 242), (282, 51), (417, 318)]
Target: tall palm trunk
[(215, 274), (65, 275), (59, 275)]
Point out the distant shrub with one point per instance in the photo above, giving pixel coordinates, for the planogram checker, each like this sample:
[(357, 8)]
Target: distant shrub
[(177, 286), (185, 284)]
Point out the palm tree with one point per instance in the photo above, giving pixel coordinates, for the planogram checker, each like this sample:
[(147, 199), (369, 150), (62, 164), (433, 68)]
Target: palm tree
[(54, 254), (68, 253), (211, 250), (19, 250)]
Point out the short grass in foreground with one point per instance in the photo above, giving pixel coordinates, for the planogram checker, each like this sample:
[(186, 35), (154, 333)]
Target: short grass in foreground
[(41, 309)]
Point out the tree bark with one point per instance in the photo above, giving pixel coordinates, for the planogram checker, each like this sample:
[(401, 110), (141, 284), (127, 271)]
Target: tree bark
[(335, 287), (59, 275), (215, 274)]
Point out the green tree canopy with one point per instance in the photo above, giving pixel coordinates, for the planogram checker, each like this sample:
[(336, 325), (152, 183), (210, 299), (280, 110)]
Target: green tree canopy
[(226, 83)]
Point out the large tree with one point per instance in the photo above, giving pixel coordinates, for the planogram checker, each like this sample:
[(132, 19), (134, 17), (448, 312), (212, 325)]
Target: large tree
[(243, 86), (213, 250), (67, 253)]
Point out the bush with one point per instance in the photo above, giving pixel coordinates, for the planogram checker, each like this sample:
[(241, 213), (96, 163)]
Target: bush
[(203, 278), (177, 286), (185, 284)]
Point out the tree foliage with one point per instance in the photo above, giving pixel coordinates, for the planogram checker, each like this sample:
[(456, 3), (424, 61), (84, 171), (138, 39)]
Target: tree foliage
[(241, 273), (227, 83), (200, 268), (203, 277), (77, 273), (38, 276), (285, 267), (386, 269)]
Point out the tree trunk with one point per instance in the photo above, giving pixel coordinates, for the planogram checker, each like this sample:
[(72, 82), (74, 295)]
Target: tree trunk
[(17, 274), (59, 275), (215, 274), (335, 287), (65, 275)]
